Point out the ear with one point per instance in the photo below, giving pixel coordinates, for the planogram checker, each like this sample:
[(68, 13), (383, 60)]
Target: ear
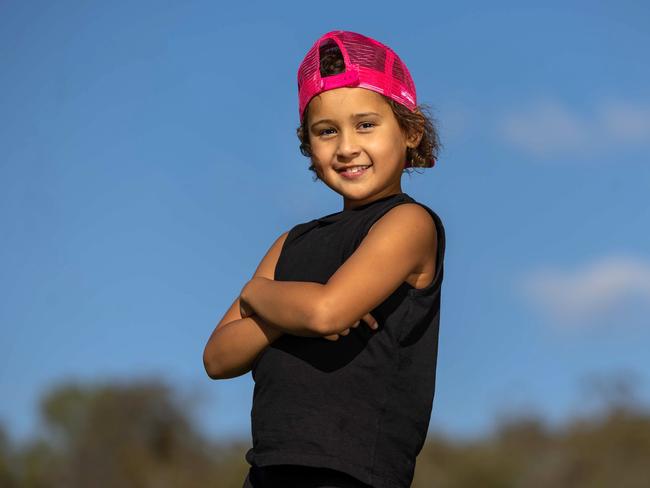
[(413, 140)]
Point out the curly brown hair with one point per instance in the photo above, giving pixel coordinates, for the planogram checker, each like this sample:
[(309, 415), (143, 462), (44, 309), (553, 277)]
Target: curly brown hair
[(416, 122)]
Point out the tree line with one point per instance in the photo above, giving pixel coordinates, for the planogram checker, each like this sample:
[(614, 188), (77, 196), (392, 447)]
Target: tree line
[(139, 434)]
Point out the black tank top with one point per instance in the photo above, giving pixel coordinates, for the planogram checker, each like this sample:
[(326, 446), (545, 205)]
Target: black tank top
[(362, 404)]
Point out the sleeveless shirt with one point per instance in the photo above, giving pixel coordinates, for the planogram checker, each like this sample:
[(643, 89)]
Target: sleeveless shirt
[(360, 404)]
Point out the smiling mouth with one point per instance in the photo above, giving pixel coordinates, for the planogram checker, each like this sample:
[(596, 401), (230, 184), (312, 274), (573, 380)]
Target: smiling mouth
[(354, 168), (355, 171)]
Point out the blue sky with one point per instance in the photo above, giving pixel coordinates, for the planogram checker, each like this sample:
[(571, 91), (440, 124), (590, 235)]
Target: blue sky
[(148, 158)]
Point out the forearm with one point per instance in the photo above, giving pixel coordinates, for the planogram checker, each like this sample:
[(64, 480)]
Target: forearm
[(291, 306), (233, 347)]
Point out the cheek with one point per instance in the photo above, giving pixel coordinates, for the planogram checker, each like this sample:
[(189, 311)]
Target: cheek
[(319, 156), (322, 151), (387, 148)]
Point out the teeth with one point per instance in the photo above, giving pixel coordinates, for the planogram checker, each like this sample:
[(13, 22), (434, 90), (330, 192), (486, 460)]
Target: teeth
[(356, 169)]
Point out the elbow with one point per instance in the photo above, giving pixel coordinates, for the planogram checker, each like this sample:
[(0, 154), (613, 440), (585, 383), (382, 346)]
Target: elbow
[(217, 371), (211, 371), (223, 374), (211, 366), (322, 321)]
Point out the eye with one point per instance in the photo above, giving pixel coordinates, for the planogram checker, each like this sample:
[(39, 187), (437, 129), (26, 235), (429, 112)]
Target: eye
[(324, 131), (371, 124)]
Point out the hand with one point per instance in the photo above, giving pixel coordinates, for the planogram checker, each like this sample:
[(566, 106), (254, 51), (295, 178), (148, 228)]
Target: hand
[(367, 318), (245, 310)]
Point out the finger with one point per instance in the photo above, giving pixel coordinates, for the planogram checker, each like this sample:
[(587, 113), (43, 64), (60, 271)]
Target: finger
[(356, 324), (344, 332), (333, 337), (370, 320)]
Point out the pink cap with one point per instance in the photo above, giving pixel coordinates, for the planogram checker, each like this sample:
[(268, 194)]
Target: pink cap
[(368, 64)]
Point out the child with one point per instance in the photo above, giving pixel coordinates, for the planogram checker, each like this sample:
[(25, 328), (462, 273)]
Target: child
[(335, 404)]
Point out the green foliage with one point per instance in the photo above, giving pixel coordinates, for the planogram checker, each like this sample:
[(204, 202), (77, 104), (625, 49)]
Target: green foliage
[(139, 435), (134, 435)]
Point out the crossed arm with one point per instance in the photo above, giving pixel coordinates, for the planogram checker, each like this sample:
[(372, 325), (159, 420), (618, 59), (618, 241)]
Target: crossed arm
[(397, 244)]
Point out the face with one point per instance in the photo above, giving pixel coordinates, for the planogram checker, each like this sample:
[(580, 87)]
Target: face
[(354, 126)]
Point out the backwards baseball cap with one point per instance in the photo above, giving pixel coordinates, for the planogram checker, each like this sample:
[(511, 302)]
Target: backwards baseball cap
[(368, 64)]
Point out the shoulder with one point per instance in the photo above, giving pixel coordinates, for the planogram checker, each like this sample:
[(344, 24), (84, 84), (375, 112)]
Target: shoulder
[(266, 267), (411, 227), (278, 244), (410, 218)]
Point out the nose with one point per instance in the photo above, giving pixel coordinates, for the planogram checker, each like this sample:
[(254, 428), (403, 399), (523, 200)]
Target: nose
[(348, 147)]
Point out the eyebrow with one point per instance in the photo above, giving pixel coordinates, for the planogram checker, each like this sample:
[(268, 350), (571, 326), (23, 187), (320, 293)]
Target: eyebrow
[(353, 116)]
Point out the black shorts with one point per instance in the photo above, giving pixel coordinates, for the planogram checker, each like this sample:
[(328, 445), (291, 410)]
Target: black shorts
[(295, 476)]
